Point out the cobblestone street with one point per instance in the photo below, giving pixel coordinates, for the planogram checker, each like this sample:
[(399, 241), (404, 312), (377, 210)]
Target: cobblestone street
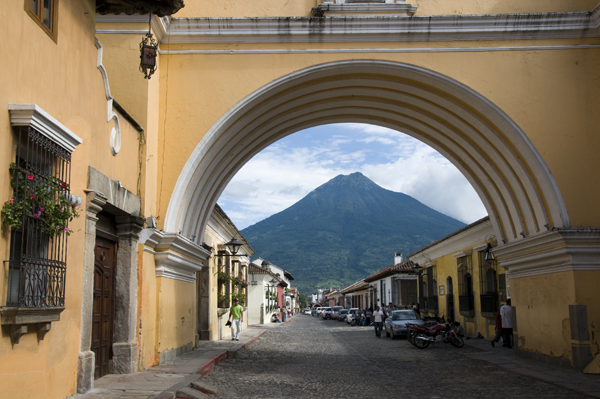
[(314, 358)]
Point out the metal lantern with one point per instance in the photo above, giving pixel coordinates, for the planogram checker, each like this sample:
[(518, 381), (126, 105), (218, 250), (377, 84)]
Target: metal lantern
[(148, 50)]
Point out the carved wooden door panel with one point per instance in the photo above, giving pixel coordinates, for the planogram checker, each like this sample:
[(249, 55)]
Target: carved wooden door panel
[(103, 312)]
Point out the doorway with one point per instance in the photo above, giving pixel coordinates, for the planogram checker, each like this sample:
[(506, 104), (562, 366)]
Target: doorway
[(103, 304)]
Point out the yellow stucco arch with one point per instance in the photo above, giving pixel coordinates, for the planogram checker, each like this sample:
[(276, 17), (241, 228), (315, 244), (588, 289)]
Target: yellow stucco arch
[(494, 154)]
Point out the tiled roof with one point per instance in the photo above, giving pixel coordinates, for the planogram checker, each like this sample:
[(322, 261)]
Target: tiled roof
[(254, 269), (360, 285), (405, 266)]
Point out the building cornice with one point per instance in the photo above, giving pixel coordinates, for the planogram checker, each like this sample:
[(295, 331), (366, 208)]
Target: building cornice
[(551, 252), (381, 28), (175, 256), (32, 115)]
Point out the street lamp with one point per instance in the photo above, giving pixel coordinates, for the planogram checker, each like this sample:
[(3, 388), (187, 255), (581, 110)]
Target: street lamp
[(234, 246), (416, 268)]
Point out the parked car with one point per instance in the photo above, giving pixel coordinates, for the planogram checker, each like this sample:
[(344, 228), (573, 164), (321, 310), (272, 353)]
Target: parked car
[(307, 311), (317, 310), (326, 313), (341, 314), (395, 324), (352, 312), (335, 310)]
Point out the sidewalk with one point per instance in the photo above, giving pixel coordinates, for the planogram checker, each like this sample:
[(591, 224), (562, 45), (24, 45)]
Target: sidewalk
[(164, 381), (586, 384)]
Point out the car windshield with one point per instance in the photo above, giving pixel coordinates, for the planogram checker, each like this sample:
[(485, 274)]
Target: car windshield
[(409, 315), (343, 311)]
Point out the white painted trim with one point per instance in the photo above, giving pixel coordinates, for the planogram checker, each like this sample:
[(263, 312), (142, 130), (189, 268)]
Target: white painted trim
[(115, 133), (381, 50), (552, 252), (176, 267), (175, 256), (32, 115), (463, 253), (384, 28), (393, 28), (360, 9), (121, 31)]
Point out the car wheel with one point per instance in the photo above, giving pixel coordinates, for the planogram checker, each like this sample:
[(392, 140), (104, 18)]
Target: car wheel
[(392, 335), (387, 334)]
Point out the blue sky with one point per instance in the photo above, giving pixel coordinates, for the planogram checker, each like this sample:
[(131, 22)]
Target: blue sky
[(289, 169)]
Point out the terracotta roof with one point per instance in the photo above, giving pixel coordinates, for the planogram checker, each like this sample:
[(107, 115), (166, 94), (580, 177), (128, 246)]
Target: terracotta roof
[(405, 266), (359, 285), (254, 269)]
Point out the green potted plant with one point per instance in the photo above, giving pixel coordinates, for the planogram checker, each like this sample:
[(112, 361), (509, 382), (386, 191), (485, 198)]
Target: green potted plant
[(46, 201), (223, 278)]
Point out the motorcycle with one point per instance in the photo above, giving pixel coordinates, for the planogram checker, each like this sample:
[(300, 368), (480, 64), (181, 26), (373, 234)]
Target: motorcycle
[(421, 337)]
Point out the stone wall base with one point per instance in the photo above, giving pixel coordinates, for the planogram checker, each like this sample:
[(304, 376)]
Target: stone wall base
[(171, 354), (85, 371)]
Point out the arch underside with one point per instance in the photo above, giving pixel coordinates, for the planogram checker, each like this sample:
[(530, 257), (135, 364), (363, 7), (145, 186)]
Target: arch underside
[(496, 157)]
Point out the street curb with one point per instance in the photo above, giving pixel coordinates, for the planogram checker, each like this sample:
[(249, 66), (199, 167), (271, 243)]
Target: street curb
[(254, 339), (208, 367)]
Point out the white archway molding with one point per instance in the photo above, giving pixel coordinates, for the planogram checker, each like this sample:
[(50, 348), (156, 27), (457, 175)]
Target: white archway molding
[(512, 180)]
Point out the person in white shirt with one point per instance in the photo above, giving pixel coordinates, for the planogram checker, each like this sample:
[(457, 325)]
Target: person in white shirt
[(507, 324), (378, 321)]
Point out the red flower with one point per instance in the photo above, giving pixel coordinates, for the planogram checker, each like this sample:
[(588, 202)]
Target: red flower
[(32, 196), (29, 177), (63, 185)]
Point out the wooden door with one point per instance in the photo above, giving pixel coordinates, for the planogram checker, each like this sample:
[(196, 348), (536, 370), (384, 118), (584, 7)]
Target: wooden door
[(103, 312)]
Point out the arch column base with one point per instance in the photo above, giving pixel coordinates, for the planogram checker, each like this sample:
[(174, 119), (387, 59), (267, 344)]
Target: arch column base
[(551, 278)]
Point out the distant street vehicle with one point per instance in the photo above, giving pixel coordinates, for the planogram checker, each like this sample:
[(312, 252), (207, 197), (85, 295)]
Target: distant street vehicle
[(317, 310), (395, 324), (307, 311), (334, 311), (352, 312), (326, 313), (341, 315)]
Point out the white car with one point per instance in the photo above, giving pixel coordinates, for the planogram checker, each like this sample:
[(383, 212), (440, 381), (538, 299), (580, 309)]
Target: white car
[(307, 311)]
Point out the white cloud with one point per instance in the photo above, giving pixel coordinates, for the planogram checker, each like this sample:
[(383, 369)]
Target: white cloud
[(288, 170)]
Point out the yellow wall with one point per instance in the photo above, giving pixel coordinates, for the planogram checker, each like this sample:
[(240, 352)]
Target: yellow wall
[(48, 368), (176, 313), (147, 310), (586, 291), (544, 318)]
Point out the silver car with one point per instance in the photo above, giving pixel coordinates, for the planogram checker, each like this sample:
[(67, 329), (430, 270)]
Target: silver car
[(395, 323)]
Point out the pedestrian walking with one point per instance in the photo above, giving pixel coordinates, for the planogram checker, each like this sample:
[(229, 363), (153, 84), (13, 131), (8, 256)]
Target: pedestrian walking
[(368, 314), (283, 314), (507, 324), (378, 321), (236, 317), (498, 328), (416, 309)]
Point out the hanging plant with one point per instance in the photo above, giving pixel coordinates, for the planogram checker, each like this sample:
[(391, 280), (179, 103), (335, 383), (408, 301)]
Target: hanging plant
[(221, 299), (244, 284), (236, 281), (45, 201), (223, 278)]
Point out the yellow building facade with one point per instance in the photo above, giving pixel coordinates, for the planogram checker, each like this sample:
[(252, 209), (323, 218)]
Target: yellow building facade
[(507, 91)]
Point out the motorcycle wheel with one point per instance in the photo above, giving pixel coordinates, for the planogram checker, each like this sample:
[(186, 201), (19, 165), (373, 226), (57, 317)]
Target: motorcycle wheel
[(456, 340), (411, 336), (421, 343)]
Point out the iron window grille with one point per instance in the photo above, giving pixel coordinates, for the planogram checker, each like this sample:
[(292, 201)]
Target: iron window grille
[(38, 262), (488, 284), (432, 297), (466, 300)]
